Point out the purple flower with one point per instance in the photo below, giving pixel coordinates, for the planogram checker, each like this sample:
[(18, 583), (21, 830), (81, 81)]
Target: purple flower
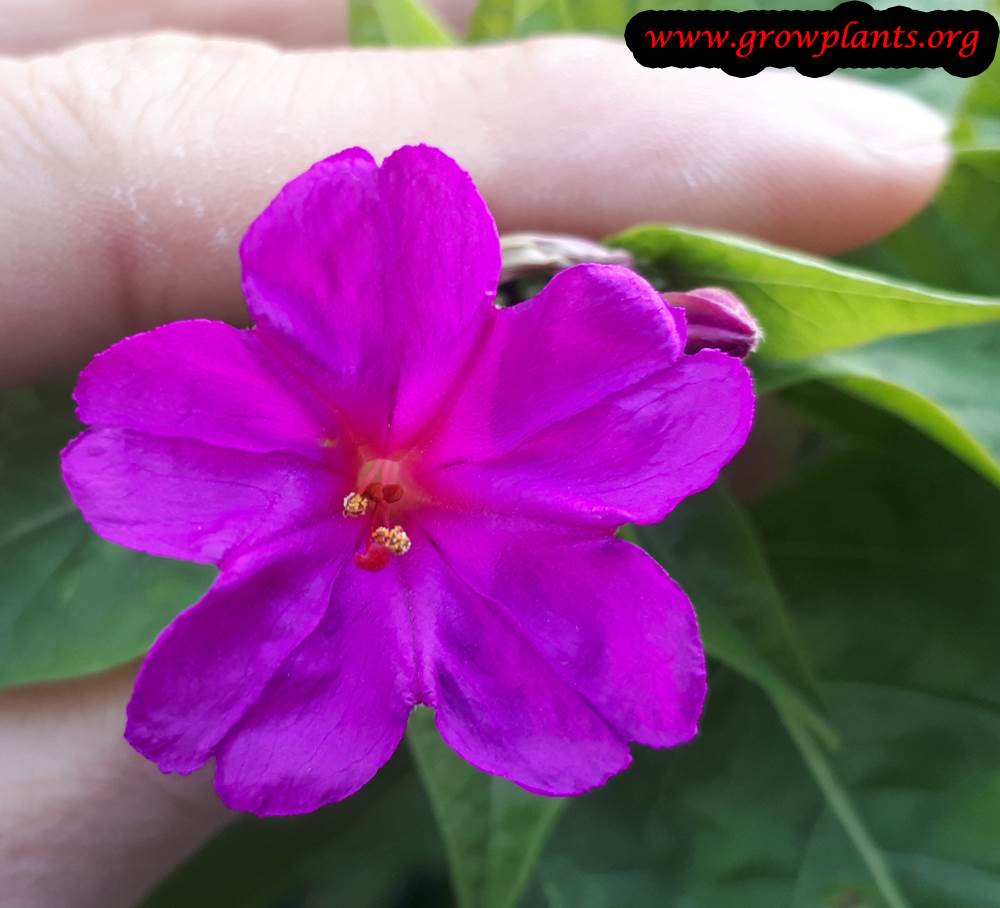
[(412, 497)]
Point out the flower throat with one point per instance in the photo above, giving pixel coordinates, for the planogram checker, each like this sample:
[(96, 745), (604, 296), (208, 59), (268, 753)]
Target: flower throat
[(380, 489)]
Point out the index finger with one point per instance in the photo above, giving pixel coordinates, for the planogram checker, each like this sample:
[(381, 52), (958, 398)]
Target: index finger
[(30, 26), (130, 170)]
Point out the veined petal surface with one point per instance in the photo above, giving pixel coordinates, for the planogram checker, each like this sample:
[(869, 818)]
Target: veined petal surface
[(385, 276)]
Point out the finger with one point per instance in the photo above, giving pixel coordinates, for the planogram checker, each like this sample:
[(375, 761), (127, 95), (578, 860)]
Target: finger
[(130, 170), (29, 26), (87, 821)]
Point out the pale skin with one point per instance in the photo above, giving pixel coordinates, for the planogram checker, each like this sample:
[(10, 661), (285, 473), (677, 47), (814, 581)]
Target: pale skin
[(130, 167)]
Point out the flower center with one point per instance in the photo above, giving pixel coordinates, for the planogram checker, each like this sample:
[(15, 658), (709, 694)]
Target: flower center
[(379, 488)]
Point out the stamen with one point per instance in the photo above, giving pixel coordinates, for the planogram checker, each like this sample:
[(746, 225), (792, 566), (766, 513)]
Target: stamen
[(356, 505), (381, 487), (394, 539)]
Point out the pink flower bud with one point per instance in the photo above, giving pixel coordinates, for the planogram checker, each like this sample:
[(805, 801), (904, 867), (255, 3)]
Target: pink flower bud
[(717, 319)]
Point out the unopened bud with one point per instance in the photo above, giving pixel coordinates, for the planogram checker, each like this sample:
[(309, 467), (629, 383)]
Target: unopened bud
[(528, 253), (718, 320)]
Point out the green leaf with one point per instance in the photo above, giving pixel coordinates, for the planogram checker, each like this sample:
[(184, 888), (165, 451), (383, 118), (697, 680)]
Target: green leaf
[(806, 306), (712, 550), (607, 16), (888, 559), (953, 243), (943, 383), (493, 831), (70, 603), (940, 381), (708, 545), (977, 122), (404, 23), (495, 19), (718, 823), (842, 807)]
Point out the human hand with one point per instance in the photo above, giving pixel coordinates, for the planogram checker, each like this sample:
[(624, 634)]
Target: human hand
[(129, 169)]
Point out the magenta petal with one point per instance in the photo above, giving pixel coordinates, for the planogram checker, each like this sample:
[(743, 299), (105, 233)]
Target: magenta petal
[(507, 713), (592, 332), (443, 255), (606, 618), (184, 499), (208, 667), (312, 275), (206, 381), (335, 712), (500, 703), (384, 275), (631, 457)]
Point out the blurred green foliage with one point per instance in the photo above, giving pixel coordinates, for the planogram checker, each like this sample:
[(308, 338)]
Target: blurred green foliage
[(70, 603)]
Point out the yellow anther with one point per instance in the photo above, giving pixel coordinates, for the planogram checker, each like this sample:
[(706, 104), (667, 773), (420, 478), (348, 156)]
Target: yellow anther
[(356, 505), (394, 539)]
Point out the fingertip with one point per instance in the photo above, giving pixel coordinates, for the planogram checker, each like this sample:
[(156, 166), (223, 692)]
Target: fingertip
[(870, 159), (818, 164)]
